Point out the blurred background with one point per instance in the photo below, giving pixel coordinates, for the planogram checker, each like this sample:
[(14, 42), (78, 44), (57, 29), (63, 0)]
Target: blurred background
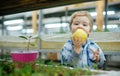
[(51, 22), (56, 19)]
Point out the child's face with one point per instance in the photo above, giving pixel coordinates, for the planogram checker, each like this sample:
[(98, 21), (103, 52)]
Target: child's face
[(81, 22)]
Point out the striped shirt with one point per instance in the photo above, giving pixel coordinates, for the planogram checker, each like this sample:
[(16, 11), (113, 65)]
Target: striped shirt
[(84, 59)]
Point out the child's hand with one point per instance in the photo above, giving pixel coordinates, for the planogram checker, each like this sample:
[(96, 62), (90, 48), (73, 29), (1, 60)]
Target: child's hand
[(77, 44), (77, 41), (78, 38), (96, 56)]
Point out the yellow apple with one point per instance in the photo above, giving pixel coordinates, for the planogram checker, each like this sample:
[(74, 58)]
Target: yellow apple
[(79, 33)]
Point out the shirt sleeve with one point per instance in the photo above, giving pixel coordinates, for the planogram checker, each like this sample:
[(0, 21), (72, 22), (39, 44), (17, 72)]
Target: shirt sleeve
[(68, 56)]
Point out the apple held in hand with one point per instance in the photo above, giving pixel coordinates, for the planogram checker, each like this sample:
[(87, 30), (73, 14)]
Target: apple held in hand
[(79, 33)]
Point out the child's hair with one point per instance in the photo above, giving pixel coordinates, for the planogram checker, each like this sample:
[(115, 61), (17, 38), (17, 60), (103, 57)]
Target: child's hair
[(82, 13)]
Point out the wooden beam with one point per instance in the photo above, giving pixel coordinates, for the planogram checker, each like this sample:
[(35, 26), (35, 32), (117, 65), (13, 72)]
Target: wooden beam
[(34, 22), (100, 17), (17, 6)]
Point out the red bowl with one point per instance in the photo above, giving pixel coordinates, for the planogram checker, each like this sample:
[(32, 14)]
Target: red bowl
[(24, 56)]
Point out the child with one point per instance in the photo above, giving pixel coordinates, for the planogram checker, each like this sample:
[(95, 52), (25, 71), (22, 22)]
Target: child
[(82, 54)]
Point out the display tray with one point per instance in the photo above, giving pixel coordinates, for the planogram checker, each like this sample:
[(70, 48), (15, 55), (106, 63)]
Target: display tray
[(50, 69)]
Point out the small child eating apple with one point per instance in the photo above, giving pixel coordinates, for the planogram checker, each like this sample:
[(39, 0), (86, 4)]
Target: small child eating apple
[(79, 51)]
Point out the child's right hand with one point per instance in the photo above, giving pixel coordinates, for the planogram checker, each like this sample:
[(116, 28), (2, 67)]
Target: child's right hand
[(78, 38), (77, 44), (77, 41)]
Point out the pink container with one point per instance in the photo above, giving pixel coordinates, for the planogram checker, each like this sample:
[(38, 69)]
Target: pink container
[(24, 56)]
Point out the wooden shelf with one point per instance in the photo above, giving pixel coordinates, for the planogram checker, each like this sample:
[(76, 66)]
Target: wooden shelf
[(15, 6)]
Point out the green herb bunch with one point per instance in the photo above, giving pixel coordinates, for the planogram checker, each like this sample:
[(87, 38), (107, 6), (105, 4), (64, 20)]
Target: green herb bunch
[(28, 38)]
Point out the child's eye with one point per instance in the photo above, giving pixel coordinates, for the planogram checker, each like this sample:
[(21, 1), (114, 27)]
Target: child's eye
[(76, 24), (84, 24)]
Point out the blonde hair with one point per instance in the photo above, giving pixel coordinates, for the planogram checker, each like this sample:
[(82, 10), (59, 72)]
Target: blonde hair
[(82, 13)]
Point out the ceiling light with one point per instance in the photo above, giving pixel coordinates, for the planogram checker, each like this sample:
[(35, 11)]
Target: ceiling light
[(13, 28), (108, 12), (56, 25), (14, 22)]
